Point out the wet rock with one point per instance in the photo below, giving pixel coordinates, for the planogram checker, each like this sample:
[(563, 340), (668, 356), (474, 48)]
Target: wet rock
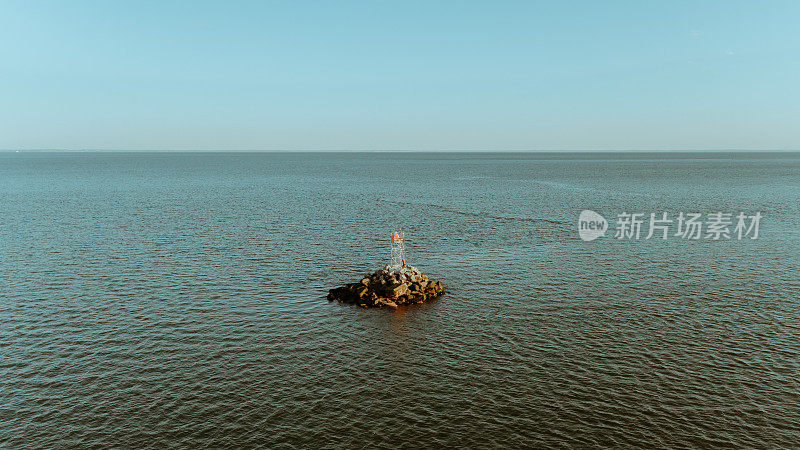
[(389, 287)]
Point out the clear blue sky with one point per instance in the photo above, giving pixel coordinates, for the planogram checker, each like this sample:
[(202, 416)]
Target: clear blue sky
[(404, 75)]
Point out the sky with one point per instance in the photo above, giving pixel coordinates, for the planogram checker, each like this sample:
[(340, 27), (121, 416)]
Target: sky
[(400, 75)]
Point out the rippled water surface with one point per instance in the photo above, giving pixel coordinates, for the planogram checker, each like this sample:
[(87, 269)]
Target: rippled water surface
[(155, 299)]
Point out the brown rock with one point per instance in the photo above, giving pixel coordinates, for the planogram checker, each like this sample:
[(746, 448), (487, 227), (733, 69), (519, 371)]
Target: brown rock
[(398, 291), (386, 302), (388, 287)]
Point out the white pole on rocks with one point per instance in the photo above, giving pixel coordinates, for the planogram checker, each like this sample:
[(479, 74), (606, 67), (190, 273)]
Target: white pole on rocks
[(398, 252)]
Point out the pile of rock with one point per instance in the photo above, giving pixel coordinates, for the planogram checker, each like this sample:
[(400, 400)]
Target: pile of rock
[(390, 286)]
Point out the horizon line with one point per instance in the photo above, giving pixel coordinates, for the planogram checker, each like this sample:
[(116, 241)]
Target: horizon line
[(57, 150)]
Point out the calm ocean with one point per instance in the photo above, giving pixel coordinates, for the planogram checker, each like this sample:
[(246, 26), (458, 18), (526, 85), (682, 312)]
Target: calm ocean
[(151, 299)]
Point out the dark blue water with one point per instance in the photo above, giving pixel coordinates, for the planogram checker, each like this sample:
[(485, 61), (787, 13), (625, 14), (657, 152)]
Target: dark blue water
[(178, 299)]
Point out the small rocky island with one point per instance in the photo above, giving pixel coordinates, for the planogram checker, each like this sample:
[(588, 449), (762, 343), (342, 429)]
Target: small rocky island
[(389, 287)]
